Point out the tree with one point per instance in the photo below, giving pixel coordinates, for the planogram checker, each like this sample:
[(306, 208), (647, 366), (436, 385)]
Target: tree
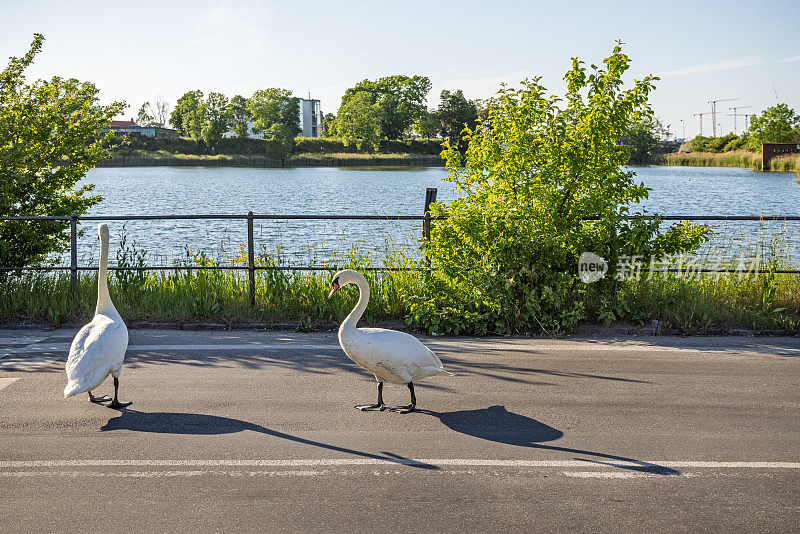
[(274, 106), (642, 137), (329, 125), (240, 116), (280, 141), (455, 113), (777, 124), (400, 98), (542, 181), (155, 114), (359, 122), (144, 117), (186, 116), (48, 140), (215, 118), (427, 125)]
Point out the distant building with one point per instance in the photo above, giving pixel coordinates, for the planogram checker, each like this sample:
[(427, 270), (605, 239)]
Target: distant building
[(309, 120), (131, 128)]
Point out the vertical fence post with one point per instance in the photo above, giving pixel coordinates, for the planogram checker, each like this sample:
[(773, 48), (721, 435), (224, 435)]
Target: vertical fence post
[(251, 264), (430, 198), (73, 258)]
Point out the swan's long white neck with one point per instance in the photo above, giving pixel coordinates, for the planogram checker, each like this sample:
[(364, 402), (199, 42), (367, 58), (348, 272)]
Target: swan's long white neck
[(104, 304), (363, 299)]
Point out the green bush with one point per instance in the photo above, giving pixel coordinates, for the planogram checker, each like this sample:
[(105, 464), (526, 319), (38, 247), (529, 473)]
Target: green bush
[(504, 257)]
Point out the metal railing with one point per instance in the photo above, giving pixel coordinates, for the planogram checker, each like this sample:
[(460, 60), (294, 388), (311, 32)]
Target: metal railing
[(251, 267)]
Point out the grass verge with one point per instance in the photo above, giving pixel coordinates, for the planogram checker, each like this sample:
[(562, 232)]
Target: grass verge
[(683, 302)]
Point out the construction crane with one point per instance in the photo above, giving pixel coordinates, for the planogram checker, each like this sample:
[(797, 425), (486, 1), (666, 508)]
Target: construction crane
[(734, 115), (714, 111), (701, 120)]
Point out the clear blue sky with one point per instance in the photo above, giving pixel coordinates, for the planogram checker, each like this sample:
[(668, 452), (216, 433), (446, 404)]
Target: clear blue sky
[(134, 51)]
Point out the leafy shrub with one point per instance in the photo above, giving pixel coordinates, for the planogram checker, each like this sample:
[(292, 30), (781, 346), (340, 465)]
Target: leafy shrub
[(541, 183)]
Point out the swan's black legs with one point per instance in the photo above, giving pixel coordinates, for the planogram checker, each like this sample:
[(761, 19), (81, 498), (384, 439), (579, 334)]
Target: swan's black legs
[(375, 407), (409, 407), (116, 403), (98, 400)]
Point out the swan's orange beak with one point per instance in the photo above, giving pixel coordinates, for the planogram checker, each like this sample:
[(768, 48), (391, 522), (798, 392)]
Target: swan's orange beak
[(334, 289)]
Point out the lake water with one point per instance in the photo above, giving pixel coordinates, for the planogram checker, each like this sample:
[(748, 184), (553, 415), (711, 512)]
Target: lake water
[(381, 191)]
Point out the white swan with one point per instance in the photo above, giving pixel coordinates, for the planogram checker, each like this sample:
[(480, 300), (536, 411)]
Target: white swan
[(100, 346), (392, 356)]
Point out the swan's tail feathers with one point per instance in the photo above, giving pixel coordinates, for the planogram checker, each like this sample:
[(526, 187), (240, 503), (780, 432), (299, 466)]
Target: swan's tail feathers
[(73, 388), (433, 371)]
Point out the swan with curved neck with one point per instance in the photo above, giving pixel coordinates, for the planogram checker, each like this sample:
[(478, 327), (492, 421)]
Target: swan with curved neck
[(392, 356), (99, 347)]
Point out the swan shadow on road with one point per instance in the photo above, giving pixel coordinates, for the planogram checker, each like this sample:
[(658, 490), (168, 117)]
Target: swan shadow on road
[(501, 426), (204, 425)]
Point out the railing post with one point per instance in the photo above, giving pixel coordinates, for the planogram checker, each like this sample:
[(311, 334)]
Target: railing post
[(430, 198), (73, 258), (251, 264)]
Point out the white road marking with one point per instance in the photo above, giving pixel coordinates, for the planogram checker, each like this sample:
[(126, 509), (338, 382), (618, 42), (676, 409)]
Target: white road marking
[(160, 474), (63, 347), (438, 462), (5, 382)]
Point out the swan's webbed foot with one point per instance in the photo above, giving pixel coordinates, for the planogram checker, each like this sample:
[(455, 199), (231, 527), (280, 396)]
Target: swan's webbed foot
[(372, 407), (408, 408), (379, 406), (116, 404), (98, 400)]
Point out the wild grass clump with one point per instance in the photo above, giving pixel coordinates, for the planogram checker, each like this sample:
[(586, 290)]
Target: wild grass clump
[(786, 163), (691, 301), (206, 294), (735, 158)]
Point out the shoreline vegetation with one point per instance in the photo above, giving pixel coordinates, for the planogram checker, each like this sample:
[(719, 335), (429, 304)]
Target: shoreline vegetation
[(737, 158), (307, 152), (322, 152), (154, 159)]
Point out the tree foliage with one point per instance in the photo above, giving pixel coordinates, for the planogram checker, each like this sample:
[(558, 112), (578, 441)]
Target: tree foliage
[(401, 100), (328, 125), (48, 140), (153, 114), (274, 106), (359, 122), (239, 116), (427, 125), (504, 257), (642, 137), (214, 117), (776, 124), (280, 141), (455, 112), (187, 115), (717, 144)]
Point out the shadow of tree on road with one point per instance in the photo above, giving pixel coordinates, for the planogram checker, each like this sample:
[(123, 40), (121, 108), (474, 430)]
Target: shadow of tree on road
[(203, 425), (501, 426)]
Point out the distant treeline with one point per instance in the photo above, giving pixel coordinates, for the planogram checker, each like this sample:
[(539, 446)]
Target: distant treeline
[(135, 145)]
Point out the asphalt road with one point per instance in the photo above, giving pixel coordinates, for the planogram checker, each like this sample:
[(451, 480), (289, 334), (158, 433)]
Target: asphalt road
[(246, 431)]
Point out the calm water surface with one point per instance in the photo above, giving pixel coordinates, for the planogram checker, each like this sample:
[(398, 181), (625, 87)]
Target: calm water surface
[(393, 191)]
